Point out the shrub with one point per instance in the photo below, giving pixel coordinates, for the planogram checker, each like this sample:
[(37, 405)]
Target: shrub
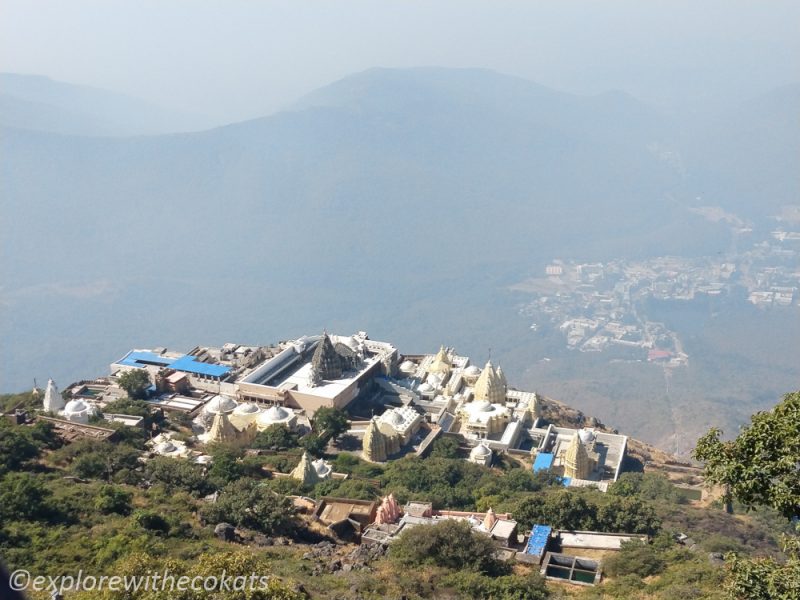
[(635, 558), (648, 486), (151, 521), (275, 437), (314, 444), (329, 423), (177, 475), (135, 383), (16, 448), (111, 499), (23, 496), (225, 465), (506, 587), (451, 544), (445, 447), (249, 504)]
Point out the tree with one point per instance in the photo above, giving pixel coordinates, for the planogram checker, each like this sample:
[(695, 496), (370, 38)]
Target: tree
[(112, 499), (505, 587), (22, 497), (43, 433), (151, 521), (275, 437), (348, 488), (449, 543), (135, 383), (765, 578), (16, 448), (329, 423), (445, 447), (563, 509), (177, 475), (225, 464), (762, 465), (628, 515), (131, 405), (635, 558), (314, 444), (247, 503), (101, 460)]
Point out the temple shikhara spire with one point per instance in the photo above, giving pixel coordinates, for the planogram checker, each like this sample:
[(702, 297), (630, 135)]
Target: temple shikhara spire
[(53, 401)]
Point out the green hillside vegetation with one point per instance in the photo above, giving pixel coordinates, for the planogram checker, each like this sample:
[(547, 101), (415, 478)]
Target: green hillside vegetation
[(94, 506)]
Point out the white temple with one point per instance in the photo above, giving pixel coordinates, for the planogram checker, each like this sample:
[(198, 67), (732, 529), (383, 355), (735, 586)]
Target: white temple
[(78, 411), (481, 455), (53, 402)]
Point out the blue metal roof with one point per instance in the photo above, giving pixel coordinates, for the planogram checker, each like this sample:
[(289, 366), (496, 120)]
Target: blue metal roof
[(188, 364), (544, 460), (537, 542), (139, 359)]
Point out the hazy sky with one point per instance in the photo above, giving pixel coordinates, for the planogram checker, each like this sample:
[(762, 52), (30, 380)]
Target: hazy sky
[(240, 59)]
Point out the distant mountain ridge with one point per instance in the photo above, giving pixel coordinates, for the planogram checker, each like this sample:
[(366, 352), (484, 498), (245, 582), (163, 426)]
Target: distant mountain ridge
[(400, 201), (432, 88), (42, 104)]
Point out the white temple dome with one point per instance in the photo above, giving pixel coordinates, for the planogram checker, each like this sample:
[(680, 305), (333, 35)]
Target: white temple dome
[(246, 408), (408, 367), (220, 404), (76, 406), (78, 411), (480, 451), (483, 406), (434, 379), (472, 370), (277, 413), (425, 387), (394, 418), (587, 436)]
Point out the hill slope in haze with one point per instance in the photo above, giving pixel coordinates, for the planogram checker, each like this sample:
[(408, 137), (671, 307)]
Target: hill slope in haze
[(42, 104), (403, 202), (517, 181)]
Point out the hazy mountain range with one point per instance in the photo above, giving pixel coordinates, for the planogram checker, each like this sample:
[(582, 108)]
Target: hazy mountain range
[(398, 201), (42, 104)]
